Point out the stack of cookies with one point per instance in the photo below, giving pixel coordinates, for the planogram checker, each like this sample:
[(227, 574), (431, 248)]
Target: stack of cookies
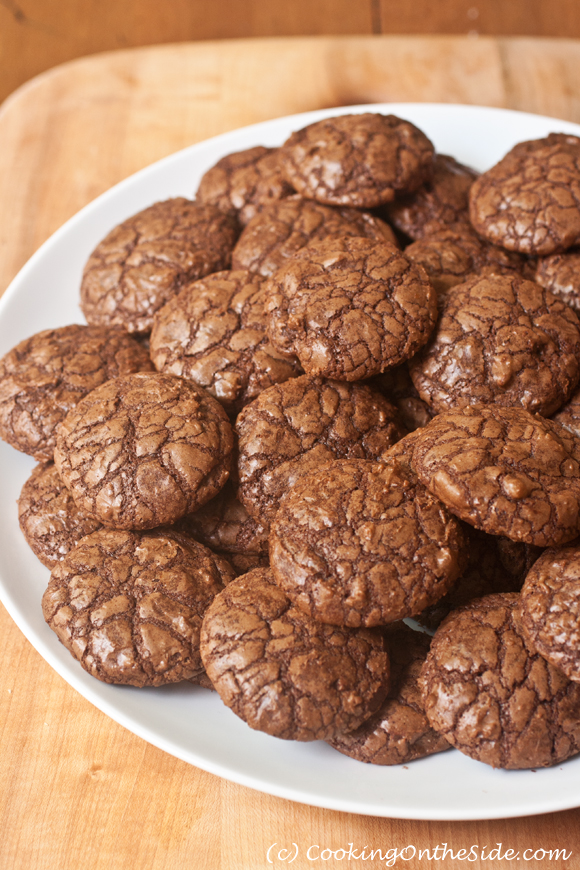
[(336, 391)]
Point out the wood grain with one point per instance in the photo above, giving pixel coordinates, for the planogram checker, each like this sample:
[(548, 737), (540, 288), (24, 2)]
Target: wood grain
[(76, 789), (36, 35)]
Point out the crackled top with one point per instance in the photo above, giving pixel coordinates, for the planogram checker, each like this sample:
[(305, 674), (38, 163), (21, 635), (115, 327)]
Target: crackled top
[(451, 255), (49, 517), (359, 160), (500, 340), (492, 697), (129, 605), (530, 200), (399, 731), (283, 228), (244, 182), (504, 471), (550, 609), (214, 333), (441, 201), (560, 273), (350, 308), (145, 260), (358, 543), (225, 524), (144, 450), (283, 673), (44, 376), (291, 428)]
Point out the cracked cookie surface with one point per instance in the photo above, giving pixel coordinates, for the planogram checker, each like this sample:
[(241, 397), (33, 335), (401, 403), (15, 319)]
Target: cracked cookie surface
[(550, 609), (46, 375), (225, 524), (49, 517), (144, 261), (359, 543), (493, 698), (283, 673), (291, 428), (350, 308), (144, 450), (129, 605), (500, 340), (441, 201), (530, 200), (560, 273), (451, 255), (285, 227), (505, 471), (399, 731), (358, 160), (244, 182), (214, 333)]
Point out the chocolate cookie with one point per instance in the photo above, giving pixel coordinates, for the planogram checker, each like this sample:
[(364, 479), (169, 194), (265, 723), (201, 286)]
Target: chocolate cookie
[(45, 376), (244, 182), (550, 609), (350, 308), (283, 228), (569, 414), (450, 256), (500, 340), (399, 731), (495, 564), (214, 333), (144, 450), (49, 519), (224, 524), (129, 605), (530, 200), (396, 385), (492, 697), (283, 673), (291, 428), (560, 273), (440, 202), (357, 543), (144, 261), (504, 471), (358, 160)]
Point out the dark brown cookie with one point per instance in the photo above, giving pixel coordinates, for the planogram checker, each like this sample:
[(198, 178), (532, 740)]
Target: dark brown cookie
[(399, 731), (495, 564), (500, 340), (450, 256), (144, 261), (224, 524), (357, 543), (283, 673), (244, 182), (505, 471), (45, 376), (49, 518), (560, 273), (242, 563), (550, 609), (283, 228), (144, 450), (396, 385), (442, 201), (350, 308), (569, 414), (129, 605), (530, 200), (214, 333), (493, 698), (358, 160), (291, 428)]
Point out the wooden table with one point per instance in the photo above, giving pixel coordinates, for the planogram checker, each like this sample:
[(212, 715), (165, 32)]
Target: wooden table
[(76, 789)]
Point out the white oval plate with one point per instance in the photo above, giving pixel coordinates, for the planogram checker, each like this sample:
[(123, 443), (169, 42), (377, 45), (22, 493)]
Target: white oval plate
[(192, 723)]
